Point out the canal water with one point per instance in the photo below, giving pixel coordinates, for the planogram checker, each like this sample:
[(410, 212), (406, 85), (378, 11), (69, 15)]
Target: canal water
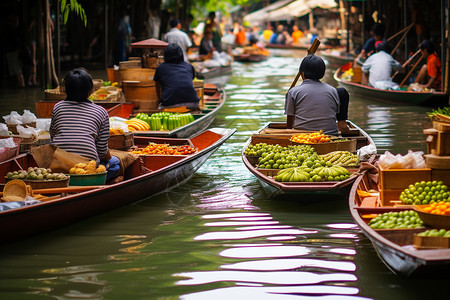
[(219, 236)]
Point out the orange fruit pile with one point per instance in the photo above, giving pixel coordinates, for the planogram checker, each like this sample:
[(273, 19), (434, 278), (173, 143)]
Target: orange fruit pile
[(310, 138), (165, 149), (438, 208)]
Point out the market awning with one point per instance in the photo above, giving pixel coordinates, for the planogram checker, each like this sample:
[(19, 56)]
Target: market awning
[(293, 10), (260, 15)]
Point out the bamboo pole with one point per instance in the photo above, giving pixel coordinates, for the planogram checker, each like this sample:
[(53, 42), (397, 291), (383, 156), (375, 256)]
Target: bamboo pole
[(312, 49), (413, 68), (407, 62), (401, 31), (402, 38)]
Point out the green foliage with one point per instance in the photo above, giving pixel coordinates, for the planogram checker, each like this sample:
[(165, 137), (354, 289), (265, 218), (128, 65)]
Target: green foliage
[(75, 7)]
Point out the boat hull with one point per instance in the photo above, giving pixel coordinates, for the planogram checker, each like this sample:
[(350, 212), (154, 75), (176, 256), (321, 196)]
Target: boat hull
[(304, 191), (218, 71), (399, 97), (31, 220), (403, 259)]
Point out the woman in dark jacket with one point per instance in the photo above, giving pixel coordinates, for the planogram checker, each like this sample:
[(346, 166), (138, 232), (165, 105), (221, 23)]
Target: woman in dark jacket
[(173, 80)]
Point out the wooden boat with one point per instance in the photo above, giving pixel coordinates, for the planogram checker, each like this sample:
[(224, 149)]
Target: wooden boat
[(294, 46), (148, 175), (214, 99), (336, 61), (213, 72), (395, 247), (245, 57), (400, 97), (44, 108), (275, 188)]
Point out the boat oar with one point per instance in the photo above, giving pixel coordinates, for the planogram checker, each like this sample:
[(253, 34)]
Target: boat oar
[(407, 63), (312, 49), (409, 73)]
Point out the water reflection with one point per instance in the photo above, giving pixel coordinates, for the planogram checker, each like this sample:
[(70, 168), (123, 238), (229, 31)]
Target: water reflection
[(263, 267)]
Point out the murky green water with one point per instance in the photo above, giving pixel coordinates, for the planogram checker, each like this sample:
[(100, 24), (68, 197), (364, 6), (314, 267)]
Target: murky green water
[(219, 236)]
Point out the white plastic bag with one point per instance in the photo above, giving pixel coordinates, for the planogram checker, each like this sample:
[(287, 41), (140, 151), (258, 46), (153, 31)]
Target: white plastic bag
[(28, 117), (7, 143), (366, 152), (27, 132), (118, 125), (13, 118), (4, 129), (412, 160)]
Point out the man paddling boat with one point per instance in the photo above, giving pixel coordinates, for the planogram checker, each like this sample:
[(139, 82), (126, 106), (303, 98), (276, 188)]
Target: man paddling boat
[(313, 105)]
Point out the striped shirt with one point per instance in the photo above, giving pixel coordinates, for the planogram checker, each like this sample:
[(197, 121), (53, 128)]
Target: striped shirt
[(81, 128)]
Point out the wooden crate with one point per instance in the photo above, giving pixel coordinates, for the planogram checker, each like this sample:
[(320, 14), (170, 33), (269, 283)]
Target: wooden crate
[(357, 75), (121, 141), (390, 197), (400, 179), (441, 126), (324, 148), (441, 175), (438, 142), (437, 161), (282, 140), (142, 94), (431, 242), (136, 74), (130, 64)]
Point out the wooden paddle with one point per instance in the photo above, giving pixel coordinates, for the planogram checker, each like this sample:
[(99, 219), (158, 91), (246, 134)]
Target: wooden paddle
[(312, 49), (407, 63)]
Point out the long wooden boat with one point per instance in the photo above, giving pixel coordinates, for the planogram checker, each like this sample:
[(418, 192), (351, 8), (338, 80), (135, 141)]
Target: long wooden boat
[(395, 247), (336, 61), (276, 189), (213, 72), (245, 57), (399, 97), (44, 108), (148, 175), (295, 46), (214, 99)]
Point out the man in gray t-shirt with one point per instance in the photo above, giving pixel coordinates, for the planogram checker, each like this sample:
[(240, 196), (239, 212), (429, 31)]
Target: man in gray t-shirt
[(313, 104)]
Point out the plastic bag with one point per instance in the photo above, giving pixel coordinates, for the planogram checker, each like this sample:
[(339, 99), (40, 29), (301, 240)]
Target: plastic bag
[(118, 125), (28, 117), (4, 129), (412, 160), (386, 85), (43, 124), (27, 132), (13, 118), (366, 152), (7, 143)]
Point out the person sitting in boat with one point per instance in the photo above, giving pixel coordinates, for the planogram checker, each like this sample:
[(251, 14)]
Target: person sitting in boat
[(378, 68), (174, 80), (342, 114), (369, 47), (431, 72), (312, 105), (206, 46), (80, 126)]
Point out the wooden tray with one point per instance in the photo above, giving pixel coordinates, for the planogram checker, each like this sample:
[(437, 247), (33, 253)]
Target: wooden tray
[(437, 162), (431, 242), (433, 220), (441, 126)]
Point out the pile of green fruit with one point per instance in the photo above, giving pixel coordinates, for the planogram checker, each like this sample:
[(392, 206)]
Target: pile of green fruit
[(396, 220), (425, 193), (316, 174), (36, 174), (436, 232), (165, 120), (341, 158)]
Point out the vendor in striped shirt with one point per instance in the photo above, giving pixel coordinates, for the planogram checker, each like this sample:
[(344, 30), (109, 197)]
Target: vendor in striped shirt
[(80, 126)]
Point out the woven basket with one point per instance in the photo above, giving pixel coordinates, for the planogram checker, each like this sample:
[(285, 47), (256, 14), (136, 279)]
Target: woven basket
[(13, 128), (55, 94)]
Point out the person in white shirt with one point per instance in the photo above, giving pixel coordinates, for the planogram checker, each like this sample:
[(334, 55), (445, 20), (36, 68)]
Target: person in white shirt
[(176, 36), (379, 66)]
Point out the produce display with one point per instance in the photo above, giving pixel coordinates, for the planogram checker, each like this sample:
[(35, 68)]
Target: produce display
[(36, 174), (436, 233), (396, 220), (277, 157), (341, 158), (136, 124), (425, 193), (441, 114), (437, 208), (165, 149), (89, 168), (165, 120), (310, 138), (317, 174)]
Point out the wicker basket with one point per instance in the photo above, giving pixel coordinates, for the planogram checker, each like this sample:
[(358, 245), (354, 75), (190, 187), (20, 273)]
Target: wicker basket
[(55, 94), (13, 128), (44, 184)]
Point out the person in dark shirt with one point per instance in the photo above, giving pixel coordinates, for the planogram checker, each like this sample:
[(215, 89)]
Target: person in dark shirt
[(173, 80)]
